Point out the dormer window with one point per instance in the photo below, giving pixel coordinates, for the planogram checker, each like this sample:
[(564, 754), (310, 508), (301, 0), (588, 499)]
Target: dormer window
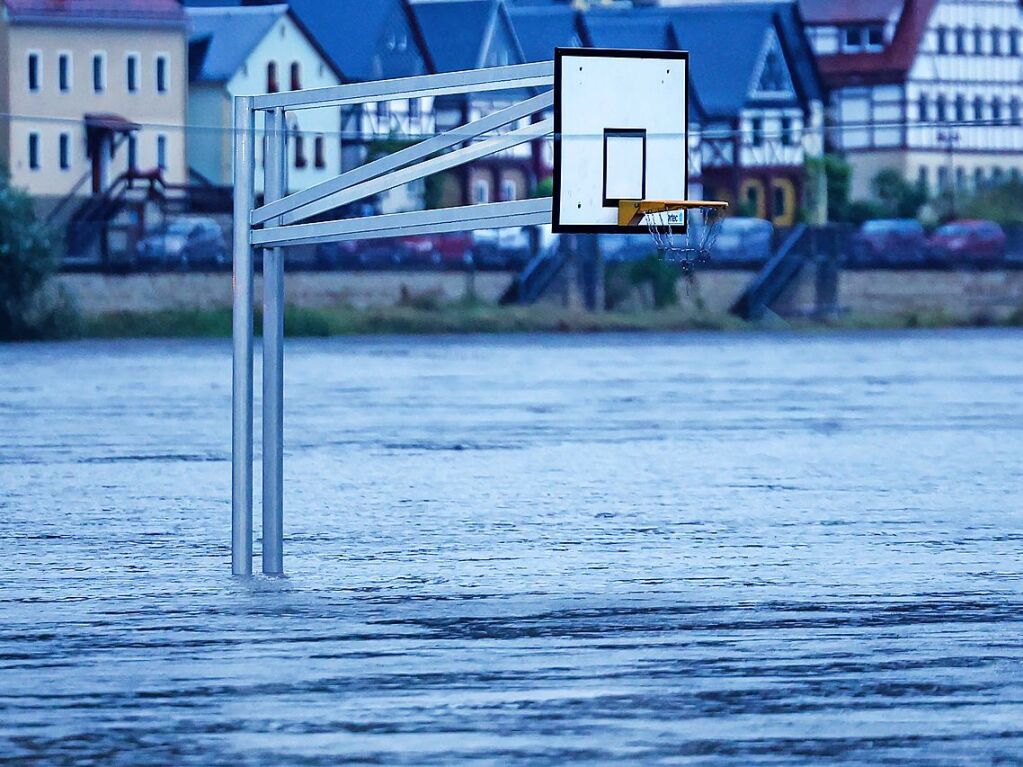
[(852, 39), (875, 38)]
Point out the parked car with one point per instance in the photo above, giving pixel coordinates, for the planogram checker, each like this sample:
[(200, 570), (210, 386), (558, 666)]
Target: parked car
[(450, 251), (743, 242), (888, 241), (507, 248), (977, 242), (184, 242)]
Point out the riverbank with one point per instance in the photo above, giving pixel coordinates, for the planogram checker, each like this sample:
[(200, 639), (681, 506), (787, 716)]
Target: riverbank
[(466, 318)]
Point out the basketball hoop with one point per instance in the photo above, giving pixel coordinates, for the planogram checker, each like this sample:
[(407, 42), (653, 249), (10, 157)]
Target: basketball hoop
[(683, 231)]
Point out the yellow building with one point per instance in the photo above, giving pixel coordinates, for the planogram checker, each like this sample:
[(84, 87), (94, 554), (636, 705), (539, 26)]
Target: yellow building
[(89, 89)]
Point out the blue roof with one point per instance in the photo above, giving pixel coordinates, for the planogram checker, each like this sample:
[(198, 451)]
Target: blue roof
[(455, 31), (220, 39), (628, 28), (351, 33), (542, 28), (722, 73)]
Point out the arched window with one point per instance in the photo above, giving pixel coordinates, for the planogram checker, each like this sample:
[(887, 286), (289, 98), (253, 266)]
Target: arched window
[(978, 40), (996, 42), (939, 107), (996, 109), (296, 76), (271, 77), (941, 39), (1014, 111), (299, 140), (1014, 42), (923, 108), (960, 108), (978, 108), (978, 178)]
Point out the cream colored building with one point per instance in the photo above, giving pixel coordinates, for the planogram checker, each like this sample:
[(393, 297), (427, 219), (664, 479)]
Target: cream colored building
[(120, 65)]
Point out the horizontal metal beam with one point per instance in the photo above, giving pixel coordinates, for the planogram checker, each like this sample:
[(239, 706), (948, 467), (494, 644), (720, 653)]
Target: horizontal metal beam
[(493, 215), (469, 81), (418, 171), (398, 159)]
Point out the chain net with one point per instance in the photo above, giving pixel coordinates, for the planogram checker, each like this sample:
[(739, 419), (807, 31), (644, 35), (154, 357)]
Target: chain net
[(682, 242)]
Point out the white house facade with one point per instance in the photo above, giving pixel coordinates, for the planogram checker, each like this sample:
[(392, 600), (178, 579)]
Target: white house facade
[(258, 49)]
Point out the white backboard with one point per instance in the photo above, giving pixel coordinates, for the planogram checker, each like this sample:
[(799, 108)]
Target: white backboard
[(621, 124)]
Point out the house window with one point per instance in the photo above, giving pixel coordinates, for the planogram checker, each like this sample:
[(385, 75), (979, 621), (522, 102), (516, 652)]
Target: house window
[(997, 175), (64, 72), (960, 108), (939, 107), (996, 110), (481, 191), (384, 110), (1014, 42), (271, 77), (1014, 111), (509, 191), (414, 108), (978, 178), (875, 38), (300, 159), (996, 42), (778, 201), (132, 152), (64, 151), (922, 108), (318, 154), (99, 72), (960, 35), (161, 74), (942, 177), (960, 177), (978, 108), (978, 40), (786, 131), (296, 76), (34, 74), (942, 41), (161, 152), (33, 151), (852, 38), (132, 72), (923, 178), (757, 131)]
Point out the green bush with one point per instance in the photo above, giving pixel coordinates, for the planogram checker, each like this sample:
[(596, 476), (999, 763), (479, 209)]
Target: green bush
[(661, 276), (896, 197), (30, 306), (1002, 203)]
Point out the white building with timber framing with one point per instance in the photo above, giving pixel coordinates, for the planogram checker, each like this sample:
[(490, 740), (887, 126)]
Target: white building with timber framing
[(931, 88)]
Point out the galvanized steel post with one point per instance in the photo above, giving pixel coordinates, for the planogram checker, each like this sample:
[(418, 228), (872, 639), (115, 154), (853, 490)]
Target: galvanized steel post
[(274, 187), (241, 378)]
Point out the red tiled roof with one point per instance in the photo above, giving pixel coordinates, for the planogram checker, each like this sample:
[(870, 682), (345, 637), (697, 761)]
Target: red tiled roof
[(888, 66), (130, 11), (821, 12)]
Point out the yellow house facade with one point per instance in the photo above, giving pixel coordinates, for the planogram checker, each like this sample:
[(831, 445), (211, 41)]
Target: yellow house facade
[(91, 88)]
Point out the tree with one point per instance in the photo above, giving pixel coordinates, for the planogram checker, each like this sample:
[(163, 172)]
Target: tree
[(838, 178), (897, 198), (1002, 203), (28, 309)]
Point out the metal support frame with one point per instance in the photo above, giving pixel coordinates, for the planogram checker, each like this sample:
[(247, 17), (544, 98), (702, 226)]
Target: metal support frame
[(280, 212)]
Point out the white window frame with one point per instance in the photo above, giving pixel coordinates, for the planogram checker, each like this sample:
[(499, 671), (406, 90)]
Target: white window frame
[(137, 58), (64, 136), (38, 153), (39, 71), (161, 151), (70, 71), (165, 58), (508, 185), (104, 75), (477, 185)]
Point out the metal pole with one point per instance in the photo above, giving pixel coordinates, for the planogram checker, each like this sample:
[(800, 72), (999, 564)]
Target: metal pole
[(241, 378), (274, 187)]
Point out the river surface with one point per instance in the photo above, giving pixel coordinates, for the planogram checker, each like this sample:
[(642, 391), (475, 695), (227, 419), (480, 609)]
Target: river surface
[(734, 549)]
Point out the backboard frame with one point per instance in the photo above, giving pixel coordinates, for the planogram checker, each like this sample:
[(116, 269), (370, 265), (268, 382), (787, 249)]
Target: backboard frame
[(625, 53)]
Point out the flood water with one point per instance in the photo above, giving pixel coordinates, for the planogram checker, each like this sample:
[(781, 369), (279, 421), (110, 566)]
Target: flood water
[(683, 549)]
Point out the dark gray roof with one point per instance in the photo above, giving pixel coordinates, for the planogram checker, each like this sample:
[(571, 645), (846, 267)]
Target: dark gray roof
[(628, 28), (220, 39), (455, 31), (542, 28)]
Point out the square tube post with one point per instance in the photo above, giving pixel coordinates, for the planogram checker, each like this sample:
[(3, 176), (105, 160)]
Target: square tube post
[(241, 330), (274, 187)]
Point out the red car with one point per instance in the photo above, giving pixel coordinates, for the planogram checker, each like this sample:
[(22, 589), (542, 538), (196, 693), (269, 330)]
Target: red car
[(449, 251), (968, 242)]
